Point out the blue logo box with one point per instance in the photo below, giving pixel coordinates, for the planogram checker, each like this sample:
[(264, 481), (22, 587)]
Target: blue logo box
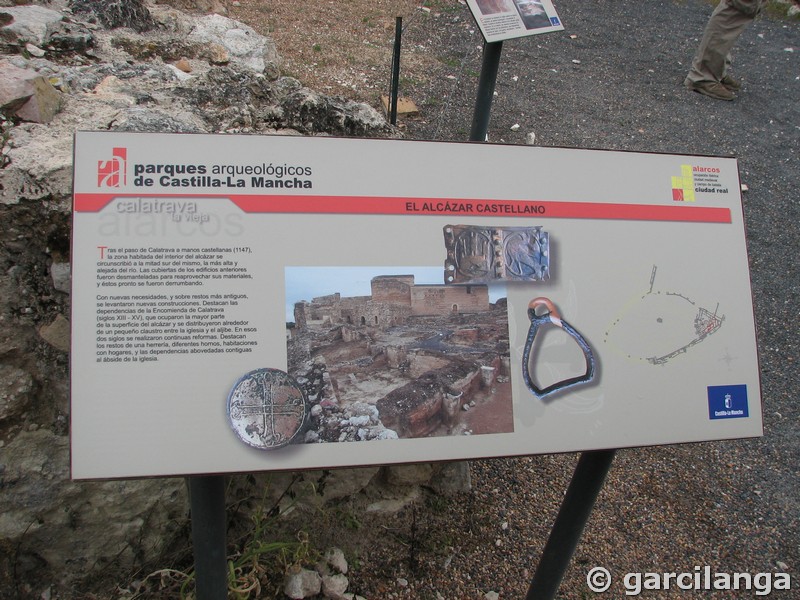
[(727, 402)]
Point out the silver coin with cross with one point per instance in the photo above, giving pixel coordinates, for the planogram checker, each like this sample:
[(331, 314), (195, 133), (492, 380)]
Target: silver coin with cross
[(267, 409)]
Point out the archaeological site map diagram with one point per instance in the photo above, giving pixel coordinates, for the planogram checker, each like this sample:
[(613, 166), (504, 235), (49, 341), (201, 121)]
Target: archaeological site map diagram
[(661, 325)]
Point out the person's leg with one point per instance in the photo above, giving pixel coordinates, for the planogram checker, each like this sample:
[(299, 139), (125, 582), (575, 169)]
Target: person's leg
[(724, 27)]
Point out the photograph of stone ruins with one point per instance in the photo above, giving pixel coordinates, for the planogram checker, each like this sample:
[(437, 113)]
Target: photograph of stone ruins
[(407, 361)]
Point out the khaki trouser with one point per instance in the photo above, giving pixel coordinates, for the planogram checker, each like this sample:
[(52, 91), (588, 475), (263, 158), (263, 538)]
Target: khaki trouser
[(726, 24)]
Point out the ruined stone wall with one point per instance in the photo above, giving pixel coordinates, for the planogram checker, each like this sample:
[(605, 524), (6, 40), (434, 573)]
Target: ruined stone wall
[(362, 311), (392, 289), (324, 308), (300, 316), (326, 314), (441, 300), (394, 298), (328, 300)]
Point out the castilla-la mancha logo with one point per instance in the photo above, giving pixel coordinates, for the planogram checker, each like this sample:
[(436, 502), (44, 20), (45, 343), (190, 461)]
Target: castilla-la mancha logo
[(113, 173)]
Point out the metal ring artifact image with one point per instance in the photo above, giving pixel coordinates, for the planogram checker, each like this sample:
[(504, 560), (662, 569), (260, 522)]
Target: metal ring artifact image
[(267, 409), (538, 323)]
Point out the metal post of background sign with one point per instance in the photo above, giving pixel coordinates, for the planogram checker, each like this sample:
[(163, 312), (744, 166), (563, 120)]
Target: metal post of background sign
[(393, 93), (586, 483), (486, 83), (207, 502)]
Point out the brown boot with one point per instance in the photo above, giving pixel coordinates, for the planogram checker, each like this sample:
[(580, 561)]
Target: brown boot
[(731, 83), (713, 89)]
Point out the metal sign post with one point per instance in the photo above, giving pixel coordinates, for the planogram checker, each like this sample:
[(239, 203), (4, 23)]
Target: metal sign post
[(586, 483), (393, 92), (486, 83), (207, 502)]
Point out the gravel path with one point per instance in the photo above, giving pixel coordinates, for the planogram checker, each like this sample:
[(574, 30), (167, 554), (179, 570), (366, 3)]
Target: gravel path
[(613, 80)]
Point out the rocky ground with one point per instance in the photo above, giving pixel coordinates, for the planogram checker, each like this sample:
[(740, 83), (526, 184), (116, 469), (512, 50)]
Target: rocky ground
[(612, 80)]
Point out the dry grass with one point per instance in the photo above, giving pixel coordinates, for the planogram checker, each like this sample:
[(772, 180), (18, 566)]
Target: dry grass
[(341, 47)]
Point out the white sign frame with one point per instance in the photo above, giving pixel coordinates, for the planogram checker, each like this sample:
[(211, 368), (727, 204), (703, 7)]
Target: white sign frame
[(622, 227), (501, 20)]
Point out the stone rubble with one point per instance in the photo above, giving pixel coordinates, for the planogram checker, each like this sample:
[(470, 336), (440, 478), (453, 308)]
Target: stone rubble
[(330, 422), (302, 583), (328, 578)]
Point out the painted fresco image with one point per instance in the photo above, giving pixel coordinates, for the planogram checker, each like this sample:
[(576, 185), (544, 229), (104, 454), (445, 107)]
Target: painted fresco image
[(533, 14), (406, 359)]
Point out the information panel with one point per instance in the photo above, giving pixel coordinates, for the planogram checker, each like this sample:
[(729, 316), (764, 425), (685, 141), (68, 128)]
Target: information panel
[(252, 303), (501, 20)]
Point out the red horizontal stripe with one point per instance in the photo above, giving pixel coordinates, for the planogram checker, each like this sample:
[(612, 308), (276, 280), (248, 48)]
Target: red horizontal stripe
[(381, 205)]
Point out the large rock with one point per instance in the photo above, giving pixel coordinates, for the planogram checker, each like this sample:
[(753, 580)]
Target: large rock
[(247, 49), (302, 583), (312, 112), (15, 88), (35, 27), (16, 386), (41, 166), (60, 529), (116, 13), (57, 333), (405, 475), (207, 6), (27, 95), (334, 586), (30, 24)]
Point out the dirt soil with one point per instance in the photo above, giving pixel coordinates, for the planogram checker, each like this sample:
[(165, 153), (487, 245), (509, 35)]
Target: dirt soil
[(336, 47), (611, 80)]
